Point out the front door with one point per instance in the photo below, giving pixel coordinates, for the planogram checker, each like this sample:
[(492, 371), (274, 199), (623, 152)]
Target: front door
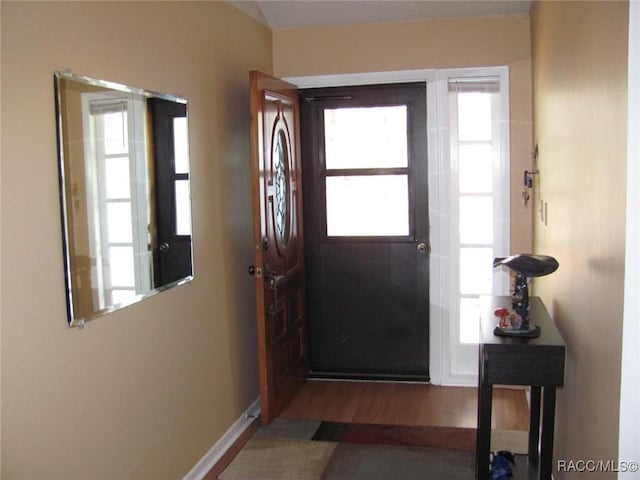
[(172, 252), (364, 155), (278, 241)]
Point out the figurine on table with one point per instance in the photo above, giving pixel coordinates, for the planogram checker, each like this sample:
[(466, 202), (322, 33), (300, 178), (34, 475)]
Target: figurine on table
[(516, 322)]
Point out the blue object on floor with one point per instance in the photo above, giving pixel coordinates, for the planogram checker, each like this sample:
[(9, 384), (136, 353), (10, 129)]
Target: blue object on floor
[(501, 466)]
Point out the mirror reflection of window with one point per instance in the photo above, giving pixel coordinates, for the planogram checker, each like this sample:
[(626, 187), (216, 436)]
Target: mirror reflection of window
[(117, 179), (181, 172), (124, 178)]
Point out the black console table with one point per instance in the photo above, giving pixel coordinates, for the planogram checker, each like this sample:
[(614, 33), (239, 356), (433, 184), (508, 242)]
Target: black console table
[(536, 362)]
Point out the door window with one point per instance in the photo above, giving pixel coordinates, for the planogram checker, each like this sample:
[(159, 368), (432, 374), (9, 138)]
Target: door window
[(366, 171), (366, 137), (366, 206)]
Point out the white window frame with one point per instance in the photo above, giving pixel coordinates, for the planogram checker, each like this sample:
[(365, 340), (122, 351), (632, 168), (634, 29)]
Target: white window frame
[(458, 362)]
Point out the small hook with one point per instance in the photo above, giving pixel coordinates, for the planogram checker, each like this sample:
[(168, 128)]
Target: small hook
[(528, 185), (528, 180)]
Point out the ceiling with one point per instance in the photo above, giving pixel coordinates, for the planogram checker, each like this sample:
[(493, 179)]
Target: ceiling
[(305, 13)]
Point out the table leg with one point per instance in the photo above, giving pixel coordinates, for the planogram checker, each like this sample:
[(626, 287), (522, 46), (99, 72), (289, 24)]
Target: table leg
[(546, 441), (534, 425), (483, 435)]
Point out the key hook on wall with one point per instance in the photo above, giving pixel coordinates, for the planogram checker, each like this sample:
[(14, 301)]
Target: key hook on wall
[(528, 177), (528, 185)]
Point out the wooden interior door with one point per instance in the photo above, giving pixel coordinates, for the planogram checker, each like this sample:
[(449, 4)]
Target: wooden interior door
[(279, 256)]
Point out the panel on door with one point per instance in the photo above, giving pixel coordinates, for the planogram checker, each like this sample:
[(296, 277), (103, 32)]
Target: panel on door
[(279, 260), (367, 234)]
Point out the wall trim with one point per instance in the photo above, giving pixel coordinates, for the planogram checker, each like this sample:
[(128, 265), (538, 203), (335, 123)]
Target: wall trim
[(214, 454), (349, 79)]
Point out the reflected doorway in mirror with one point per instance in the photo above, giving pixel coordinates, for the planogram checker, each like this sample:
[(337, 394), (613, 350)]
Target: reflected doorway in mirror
[(125, 193)]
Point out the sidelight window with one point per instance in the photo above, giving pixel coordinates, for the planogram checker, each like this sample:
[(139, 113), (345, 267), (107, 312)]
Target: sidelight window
[(479, 195), (115, 183)]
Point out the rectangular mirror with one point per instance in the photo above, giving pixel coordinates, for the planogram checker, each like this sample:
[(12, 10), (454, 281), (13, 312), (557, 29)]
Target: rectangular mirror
[(125, 193)]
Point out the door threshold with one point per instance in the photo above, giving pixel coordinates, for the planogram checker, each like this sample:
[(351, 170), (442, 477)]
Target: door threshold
[(367, 377)]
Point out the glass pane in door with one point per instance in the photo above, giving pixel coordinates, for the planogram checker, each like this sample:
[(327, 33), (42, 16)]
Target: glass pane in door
[(366, 137), (367, 205)]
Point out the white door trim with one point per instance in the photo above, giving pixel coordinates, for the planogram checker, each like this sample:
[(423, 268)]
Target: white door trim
[(629, 423)]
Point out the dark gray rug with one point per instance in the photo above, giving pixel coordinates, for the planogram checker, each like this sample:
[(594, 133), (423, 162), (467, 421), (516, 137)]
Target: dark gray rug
[(384, 462)]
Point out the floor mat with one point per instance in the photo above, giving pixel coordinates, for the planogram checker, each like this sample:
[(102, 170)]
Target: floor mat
[(280, 459), (516, 441), (383, 462)]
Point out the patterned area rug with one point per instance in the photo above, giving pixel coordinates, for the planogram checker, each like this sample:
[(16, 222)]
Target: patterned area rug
[(291, 449), (437, 437)]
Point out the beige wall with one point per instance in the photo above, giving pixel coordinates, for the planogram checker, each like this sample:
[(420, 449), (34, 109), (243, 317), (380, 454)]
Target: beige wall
[(446, 43), (142, 393), (580, 86)]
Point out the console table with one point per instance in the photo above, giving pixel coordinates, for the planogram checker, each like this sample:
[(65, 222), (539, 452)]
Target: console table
[(535, 362)]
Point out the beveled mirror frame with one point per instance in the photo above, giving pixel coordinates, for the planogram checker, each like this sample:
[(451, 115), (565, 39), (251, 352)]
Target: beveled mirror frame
[(124, 193)]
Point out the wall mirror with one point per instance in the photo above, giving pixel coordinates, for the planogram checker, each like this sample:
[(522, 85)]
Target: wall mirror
[(125, 193)]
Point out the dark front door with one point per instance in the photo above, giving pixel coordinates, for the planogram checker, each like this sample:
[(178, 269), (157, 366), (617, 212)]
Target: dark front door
[(172, 249), (364, 157), (279, 258)]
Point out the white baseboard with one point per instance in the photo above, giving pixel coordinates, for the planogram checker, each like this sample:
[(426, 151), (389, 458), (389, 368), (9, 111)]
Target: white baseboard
[(207, 462)]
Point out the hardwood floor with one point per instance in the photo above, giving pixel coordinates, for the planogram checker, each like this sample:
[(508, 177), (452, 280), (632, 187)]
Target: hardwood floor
[(392, 404), (231, 453), (405, 404)]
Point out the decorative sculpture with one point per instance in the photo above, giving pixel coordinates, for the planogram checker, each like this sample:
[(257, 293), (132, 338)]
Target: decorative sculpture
[(524, 266)]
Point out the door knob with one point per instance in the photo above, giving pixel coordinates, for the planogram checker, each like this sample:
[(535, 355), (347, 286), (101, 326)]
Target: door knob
[(253, 270), (164, 247), (423, 247)]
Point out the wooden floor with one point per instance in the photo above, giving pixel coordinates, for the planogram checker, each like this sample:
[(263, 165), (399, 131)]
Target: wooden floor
[(405, 404), (393, 404)]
